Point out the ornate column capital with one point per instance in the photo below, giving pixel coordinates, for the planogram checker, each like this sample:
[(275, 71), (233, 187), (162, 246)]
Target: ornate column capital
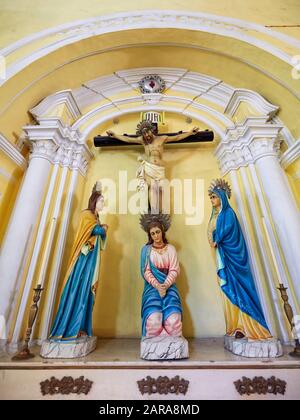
[(43, 149), (246, 143), (59, 144)]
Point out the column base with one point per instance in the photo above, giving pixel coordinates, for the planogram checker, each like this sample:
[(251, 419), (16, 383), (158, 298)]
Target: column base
[(78, 347), (164, 348), (269, 349)]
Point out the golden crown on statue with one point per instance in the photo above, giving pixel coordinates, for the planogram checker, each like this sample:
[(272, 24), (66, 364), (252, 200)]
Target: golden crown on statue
[(220, 184)]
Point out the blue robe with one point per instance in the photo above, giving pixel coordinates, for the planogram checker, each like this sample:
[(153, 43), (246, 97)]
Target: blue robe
[(234, 268), (151, 300), (77, 300)]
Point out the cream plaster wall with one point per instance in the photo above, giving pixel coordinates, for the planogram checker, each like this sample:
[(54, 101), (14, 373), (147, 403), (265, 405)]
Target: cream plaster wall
[(10, 180), (24, 17), (293, 173)]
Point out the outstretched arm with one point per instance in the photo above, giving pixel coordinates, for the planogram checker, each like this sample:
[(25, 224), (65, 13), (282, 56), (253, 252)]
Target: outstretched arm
[(125, 138), (181, 136)]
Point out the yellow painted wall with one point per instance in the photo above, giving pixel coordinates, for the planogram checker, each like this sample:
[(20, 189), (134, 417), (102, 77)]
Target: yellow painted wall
[(293, 174), (234, 62), (24, 17), (10, 180)]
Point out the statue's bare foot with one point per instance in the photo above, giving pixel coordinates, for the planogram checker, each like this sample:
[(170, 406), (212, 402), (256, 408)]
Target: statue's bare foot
[(239, 335), (82, 334)]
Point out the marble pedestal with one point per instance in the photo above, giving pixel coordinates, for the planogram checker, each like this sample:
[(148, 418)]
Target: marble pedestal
[(78, 347), (269, 349), (164, 348)]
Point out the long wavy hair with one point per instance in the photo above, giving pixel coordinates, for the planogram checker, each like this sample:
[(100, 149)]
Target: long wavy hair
[(145, 131), (160, 226)]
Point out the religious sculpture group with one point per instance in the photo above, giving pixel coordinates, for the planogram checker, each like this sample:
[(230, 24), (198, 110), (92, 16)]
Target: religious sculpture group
[(247, 332)]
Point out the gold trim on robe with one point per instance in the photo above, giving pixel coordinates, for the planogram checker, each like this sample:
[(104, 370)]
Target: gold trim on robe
[(86, 225), (235, 319)]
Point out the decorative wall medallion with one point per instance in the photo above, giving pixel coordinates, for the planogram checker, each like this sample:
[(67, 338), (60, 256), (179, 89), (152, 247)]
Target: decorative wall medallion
[(152, 84), (66, 385), (163, 385), (260, 386)]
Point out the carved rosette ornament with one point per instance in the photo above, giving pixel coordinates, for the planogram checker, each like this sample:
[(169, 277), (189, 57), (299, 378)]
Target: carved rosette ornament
[(152, 84), (66, 385), (260, 386), (163, 385)]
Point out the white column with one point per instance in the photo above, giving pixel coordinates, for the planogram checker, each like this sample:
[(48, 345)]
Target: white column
[(77, 161), (22, 223), (250, 244), (275, 307), (35, 255), (53, 281), (63, 150), (285, 213)]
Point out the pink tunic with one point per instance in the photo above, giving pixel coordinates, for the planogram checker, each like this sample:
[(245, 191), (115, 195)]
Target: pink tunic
[(167, 260)]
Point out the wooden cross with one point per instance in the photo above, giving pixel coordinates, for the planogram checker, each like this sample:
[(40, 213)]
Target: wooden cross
[(200, 137)]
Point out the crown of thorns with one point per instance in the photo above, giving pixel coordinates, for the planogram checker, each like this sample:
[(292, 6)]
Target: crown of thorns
[(144, 125), (220, 184), (147, 219)]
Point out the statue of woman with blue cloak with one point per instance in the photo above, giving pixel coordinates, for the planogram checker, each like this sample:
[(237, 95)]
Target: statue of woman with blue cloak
[(74, 315), (243, 311), (161, 304)]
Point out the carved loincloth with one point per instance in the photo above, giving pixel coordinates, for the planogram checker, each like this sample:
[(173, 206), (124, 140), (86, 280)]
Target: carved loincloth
[(148, 172)]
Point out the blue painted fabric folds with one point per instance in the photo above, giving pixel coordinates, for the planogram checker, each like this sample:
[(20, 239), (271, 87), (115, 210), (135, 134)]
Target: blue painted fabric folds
[(77, 300), (234, 270)]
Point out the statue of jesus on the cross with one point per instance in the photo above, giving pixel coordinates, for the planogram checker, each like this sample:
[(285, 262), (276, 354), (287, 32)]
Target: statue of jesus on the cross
[(151, 172)]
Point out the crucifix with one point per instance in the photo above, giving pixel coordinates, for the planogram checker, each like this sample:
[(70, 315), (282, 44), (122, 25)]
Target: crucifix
[(151, 172)]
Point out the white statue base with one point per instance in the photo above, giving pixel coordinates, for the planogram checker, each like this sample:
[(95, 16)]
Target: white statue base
[(164, 348), (72, 349), (269, 349)]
